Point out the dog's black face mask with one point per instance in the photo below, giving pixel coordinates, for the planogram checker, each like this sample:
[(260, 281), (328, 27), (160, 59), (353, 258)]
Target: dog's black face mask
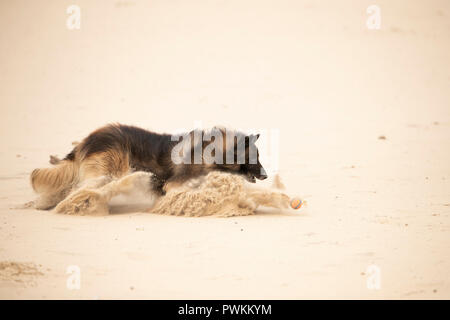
[(252, 172), (252, 169), (244, 158)]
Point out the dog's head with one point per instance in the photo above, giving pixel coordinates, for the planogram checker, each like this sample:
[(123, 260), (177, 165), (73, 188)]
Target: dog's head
[(244, 156), (224, 150), (252, 168)]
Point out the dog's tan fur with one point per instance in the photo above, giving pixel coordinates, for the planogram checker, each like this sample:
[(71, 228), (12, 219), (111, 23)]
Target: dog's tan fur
[(56, 183)]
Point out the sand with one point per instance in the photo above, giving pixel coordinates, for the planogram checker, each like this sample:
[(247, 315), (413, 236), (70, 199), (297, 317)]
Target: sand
[(312, 73), (219, 194)]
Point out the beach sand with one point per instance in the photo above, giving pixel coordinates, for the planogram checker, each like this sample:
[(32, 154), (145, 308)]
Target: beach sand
[(362, 116)]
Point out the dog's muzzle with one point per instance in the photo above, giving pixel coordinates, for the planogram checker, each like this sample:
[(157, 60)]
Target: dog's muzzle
[(262, 175)]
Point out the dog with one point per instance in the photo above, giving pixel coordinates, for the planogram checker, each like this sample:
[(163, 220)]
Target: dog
[(128, 157)]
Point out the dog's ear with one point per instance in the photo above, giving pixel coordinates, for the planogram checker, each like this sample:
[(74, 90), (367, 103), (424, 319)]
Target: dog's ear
[(252, 137)]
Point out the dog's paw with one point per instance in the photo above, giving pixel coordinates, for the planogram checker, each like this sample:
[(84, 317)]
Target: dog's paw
[(84, 202)]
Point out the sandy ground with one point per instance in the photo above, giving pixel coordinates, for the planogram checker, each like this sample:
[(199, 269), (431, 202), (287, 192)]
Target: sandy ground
[(312, 71)]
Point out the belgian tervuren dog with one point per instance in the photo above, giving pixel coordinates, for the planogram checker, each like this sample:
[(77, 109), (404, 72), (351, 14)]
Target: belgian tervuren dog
[(133, 157)]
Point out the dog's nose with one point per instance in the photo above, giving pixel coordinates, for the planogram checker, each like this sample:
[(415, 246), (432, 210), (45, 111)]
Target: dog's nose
[(262, 174)]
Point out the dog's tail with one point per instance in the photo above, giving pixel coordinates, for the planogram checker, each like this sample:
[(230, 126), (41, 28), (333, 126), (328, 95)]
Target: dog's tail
[(49, 180)]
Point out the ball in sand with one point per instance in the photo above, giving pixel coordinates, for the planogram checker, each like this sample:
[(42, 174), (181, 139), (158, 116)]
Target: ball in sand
[(296, 203)]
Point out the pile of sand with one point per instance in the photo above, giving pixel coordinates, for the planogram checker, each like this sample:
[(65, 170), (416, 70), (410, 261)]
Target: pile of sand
[(18, 271), (219, 194)]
